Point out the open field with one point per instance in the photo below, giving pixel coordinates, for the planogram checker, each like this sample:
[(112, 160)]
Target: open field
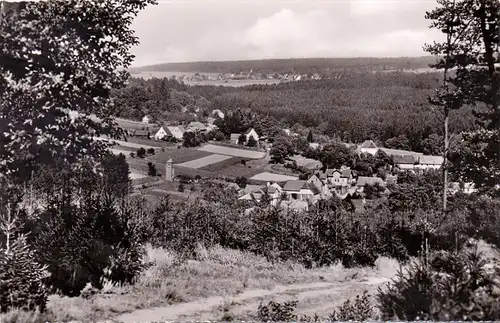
[(136, 175), (306, 162), (270, 177), (179, 156), (205, 161), (234, 170), (127, 144), (220, 280), (233, 151), (152, 142)]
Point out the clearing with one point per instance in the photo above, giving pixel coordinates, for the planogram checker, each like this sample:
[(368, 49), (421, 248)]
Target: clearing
[(307, 162), (134, 175), (126, 143), (178, 156), (270, 177), (205, 161), (251, 154)]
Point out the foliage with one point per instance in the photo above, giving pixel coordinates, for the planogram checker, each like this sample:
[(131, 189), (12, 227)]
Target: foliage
[(181, 187), (47, 70), (335, 155), (141, 152), (373, 191), (282, 148), (252, 142), (360, 310), (241, 181), (193, 139), (277, 312), (452, 287), (399, 142), (151, 169), (242, 139), (310, 137)]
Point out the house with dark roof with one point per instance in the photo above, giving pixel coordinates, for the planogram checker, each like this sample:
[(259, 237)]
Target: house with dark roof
[(139, 133), (365, 180), (404, 162), (425, 162), (300, 190), (196, 126)]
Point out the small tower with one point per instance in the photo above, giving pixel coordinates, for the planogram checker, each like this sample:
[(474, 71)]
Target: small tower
[(169, 171)]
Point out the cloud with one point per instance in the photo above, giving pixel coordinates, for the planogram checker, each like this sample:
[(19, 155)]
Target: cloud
[(281, 29)]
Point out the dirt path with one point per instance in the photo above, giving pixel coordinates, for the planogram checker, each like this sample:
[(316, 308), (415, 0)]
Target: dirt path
[(319, 297)]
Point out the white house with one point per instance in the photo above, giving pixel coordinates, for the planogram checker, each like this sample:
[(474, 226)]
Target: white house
[(161, 133), (146, 119), (177, 131), (218, 113), (368, 147), (252, 133), (429, 162), (234, 138), (300, 190)]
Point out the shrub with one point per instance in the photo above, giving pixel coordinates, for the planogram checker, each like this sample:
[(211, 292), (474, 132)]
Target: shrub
[(453, 286), (21, 278), (360, 310), (141, 152), (151, 151), (181, 187), (277, 312), (151, 169)]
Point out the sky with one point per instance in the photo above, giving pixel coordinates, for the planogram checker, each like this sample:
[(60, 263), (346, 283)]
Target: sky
[(201, 30)]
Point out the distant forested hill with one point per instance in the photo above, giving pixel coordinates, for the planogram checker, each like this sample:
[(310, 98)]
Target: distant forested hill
[(295, 65)]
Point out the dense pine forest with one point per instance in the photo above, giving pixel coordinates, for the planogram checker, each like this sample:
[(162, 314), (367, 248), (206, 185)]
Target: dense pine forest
[(354, 107)]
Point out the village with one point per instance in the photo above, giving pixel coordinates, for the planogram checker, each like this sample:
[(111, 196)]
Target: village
[(247, 155)]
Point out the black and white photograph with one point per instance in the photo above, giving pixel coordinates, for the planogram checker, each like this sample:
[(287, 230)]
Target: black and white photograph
[(249, 161)]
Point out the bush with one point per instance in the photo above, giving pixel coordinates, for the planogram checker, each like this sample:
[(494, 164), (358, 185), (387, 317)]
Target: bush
[(181, 187), (360, 310), (453, 286), (151, 151), (21, 278), (277, 312), (141, 152), (151, 169)]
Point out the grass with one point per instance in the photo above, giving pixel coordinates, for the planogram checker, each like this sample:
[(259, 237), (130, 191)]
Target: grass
[(205, 161), (236, 152), (172, 279), (179, 155)]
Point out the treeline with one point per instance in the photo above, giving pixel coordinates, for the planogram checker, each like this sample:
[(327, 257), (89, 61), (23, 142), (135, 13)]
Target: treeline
[(353, 108), (294, 65)]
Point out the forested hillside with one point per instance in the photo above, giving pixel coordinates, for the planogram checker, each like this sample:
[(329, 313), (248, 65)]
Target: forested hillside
[(297, 65), (354, 107)]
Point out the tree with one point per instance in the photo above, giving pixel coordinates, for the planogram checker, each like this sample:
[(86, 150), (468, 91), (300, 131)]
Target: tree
[(191, 139), (400, 142), (115, 178), (471, 48), (310, 137), (252, 142), (151, 169), (62, 55), (335, 155), (151, 151), (141, 152), (242, 139), (282, 148), (241, 181), (433, 145)]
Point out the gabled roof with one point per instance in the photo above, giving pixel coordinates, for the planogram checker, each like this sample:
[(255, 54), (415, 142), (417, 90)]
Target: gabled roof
[(252, 188), (430, 160), (197, 125), (368, 144), (363, 180), (404, 159), (393, 152), (295, 185), (248, 131), (317, 183), (346, 173), (329, 172)]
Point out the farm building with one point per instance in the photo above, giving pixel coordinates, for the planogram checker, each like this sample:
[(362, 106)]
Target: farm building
[(404, 162), (196, 126), (429, 162), (300, 190), (146, 119), (176, 131), (161, 134), (398, 152), (364, 180), (252, 133), (368, 147)]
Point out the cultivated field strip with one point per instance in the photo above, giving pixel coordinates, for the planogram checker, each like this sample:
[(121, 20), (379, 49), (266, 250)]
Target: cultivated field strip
[(270, 177), (233, 151), (205, 161)]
